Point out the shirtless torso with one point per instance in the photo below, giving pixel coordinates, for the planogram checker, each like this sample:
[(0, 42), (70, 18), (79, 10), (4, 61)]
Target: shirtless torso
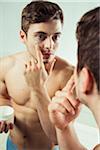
[(28, 131)]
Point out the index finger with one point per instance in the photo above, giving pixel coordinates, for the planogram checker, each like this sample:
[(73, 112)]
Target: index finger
[(38, 56), (70, 84), (52, 65)]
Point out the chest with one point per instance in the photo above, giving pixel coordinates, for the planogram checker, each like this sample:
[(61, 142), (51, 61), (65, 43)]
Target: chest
[(16, 85), (18, 88)]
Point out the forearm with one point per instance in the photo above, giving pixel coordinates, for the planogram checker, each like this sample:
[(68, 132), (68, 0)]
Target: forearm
[(42, 101), (68, 140)]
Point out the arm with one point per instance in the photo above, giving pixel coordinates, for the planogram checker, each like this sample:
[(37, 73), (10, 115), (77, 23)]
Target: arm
[(63, 109), (35, 75), (5, 65), (68, 139), (4, 100), (4, 97), (42, 101)]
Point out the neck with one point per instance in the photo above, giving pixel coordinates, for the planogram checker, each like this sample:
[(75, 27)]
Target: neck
[(96, 114), (47, 67), (95, 108)]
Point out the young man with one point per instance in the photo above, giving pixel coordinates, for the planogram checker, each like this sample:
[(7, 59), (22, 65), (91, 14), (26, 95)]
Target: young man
[(86, 80), (30, 78)]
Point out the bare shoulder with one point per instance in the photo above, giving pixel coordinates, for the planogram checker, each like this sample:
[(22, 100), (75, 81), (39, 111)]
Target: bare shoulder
[(63, 64), (64, 71), (6, 64)]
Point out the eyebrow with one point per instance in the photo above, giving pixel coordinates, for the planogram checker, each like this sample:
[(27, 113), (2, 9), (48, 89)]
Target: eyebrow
[(41, 32), (58, 33)]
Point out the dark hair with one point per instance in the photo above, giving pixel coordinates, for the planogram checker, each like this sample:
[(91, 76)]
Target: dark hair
[(40, 11), (88, 36)]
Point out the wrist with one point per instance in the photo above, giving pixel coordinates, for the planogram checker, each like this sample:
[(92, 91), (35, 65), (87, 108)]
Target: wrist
[(67, 128)]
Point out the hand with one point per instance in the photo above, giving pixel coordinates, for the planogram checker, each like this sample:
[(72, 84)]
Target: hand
[(64, 107), (5, 127), (34, 69), (35, 72)]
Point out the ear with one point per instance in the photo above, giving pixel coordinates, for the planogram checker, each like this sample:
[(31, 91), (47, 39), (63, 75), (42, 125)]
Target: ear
[(22, 36), (86, 81)]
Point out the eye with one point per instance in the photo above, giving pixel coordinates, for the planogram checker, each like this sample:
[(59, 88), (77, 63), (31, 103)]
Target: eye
[(56, 37), (42, 36)]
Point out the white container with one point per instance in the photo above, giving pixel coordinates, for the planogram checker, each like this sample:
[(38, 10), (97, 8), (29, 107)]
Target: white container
[(6, 114)]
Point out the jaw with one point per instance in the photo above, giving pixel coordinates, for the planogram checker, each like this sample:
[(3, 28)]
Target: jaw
[(48, 60)]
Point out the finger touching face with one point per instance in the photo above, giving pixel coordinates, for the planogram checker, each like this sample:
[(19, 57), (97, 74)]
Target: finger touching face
[(46, 35)]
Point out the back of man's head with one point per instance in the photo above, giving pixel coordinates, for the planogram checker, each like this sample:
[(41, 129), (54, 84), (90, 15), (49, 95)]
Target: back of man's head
[(40, 11), (88, 36)]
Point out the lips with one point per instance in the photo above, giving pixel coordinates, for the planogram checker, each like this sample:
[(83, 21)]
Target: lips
[(46, 55)]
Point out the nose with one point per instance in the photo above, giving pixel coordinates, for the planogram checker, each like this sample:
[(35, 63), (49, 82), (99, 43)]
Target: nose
[(48, 43)]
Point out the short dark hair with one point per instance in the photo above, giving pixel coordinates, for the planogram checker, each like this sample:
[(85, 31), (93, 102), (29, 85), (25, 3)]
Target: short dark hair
[(40, 11), (88, 36)]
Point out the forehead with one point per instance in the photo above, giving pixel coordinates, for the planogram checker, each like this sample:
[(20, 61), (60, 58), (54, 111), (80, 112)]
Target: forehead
[(50, 27)]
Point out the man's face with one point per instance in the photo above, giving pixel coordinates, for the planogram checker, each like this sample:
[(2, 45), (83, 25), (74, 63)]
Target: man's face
[(46, 36)]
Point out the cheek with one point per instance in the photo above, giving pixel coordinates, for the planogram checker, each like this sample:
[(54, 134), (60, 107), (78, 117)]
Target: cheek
[(32, 41), (56, 46), (37, 42), (40, 44), (32, 45)]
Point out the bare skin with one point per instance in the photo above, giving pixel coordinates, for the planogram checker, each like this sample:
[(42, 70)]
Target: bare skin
[(28, 86), (65, 107), (28, 131)]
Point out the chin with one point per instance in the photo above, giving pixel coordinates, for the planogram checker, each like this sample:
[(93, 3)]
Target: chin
[(50, 59), (46, 60)]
